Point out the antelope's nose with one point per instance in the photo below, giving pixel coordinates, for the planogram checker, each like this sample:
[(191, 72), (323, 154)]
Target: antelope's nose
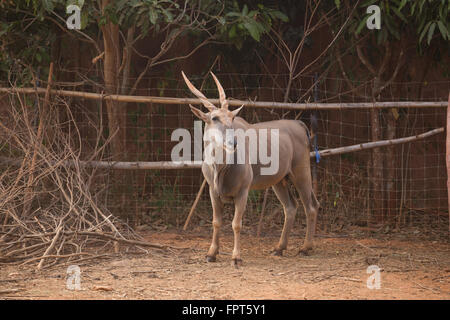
[(235, 142)]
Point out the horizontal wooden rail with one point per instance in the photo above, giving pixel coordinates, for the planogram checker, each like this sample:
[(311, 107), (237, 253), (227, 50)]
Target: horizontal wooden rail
[(250, 104), (169, 165), (377, 144)]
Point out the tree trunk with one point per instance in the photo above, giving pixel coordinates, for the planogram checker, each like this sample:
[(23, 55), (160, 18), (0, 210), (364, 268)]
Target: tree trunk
[(116, 112)]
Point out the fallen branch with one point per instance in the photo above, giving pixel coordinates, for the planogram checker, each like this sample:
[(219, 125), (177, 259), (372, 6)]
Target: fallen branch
[(62, 216), (126, 241), (57, 256), (194, 205), (108, 237), (9, 291), (51, 246)]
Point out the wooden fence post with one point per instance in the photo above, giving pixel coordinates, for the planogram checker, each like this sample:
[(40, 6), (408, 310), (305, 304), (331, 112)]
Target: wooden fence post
[(448, 157)]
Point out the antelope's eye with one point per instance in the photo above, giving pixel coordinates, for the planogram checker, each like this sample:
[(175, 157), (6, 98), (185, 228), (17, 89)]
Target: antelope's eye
[(215, 118)]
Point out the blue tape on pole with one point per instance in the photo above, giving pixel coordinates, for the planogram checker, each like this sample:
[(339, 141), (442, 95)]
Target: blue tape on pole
[(317, 154)]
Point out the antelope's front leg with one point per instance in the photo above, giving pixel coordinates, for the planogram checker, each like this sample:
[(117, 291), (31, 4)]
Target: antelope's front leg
[(240, 203), (217, 223)]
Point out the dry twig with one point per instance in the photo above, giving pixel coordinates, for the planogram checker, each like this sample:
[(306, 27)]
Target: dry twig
[(61, 218)]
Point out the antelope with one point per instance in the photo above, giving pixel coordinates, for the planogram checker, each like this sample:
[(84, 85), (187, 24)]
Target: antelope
[(232, 182)]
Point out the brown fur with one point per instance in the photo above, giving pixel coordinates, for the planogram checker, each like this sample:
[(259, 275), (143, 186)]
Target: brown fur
[(233, 181)]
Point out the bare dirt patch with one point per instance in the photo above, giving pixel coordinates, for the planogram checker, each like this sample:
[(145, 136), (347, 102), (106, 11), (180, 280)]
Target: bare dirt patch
[(411, 269)]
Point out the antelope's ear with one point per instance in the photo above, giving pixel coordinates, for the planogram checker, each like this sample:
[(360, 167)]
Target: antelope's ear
[(200, 114), (235, 112)]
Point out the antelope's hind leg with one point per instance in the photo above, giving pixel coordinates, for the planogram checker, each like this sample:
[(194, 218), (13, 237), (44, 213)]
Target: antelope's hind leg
[(217, 206), (281, 189), (301, 178)]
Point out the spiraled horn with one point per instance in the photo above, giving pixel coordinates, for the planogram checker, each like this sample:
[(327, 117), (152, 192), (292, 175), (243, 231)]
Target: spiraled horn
[(199, 95), (222, 97)]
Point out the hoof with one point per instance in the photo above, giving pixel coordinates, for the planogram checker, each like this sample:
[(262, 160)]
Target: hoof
[(305, 251), (236, 263), (210, 259), (277, 252)]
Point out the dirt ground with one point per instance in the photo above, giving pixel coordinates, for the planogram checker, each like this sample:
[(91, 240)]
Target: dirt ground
[(411, 268)]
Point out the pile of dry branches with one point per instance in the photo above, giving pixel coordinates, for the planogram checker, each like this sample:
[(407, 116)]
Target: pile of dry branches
[(49, 204)]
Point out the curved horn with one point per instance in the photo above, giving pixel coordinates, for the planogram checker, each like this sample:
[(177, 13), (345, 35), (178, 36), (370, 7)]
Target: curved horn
[(235, 112), (222, 96), (199, 95)]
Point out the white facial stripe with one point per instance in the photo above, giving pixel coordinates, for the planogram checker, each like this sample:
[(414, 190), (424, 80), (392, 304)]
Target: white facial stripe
[(229, 140), (213, 135)]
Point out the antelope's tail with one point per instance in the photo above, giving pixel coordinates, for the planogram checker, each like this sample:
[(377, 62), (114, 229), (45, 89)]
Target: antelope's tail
[(308, 134)]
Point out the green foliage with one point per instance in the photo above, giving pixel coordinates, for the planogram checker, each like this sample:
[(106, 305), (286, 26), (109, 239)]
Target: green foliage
[(28, 28), (145, 15), (255, 199), (224, 20), (428, 19), (239, 24), (25, 40), (166, 196), (428, 14)]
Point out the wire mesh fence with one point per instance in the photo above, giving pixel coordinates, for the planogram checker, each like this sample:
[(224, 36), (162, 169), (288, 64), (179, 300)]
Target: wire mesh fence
[(411, 191)]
